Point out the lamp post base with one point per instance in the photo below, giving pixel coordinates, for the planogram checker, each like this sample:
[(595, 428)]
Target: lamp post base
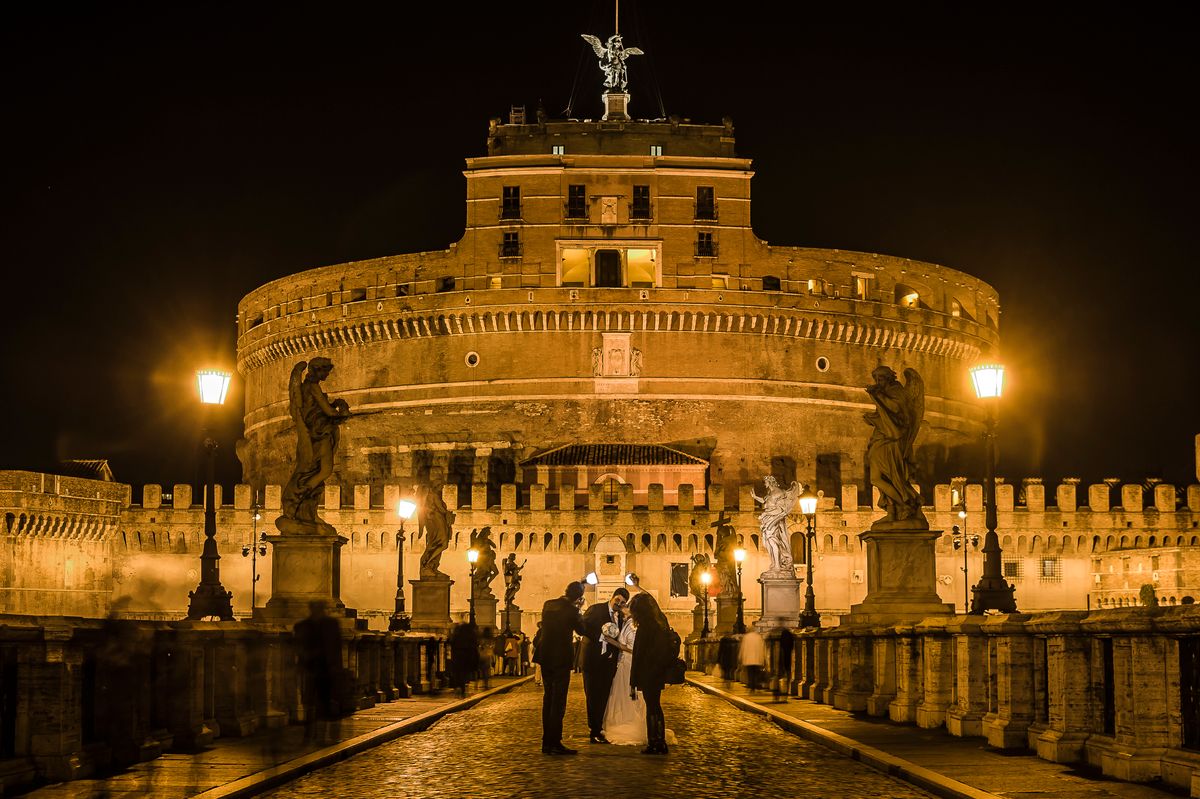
[(210, 599), (993, 594)]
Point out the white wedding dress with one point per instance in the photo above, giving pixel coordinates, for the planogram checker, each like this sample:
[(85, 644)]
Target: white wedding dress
[(625, 718)]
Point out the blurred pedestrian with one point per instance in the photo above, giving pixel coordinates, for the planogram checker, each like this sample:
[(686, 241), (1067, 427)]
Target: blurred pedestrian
[(752, 654), (464, 656), (319, 649)]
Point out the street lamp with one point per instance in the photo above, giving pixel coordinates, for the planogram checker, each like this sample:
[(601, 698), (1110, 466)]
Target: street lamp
[(472, 558), (400, 621), (739, 626), (210, 598), (633, 581), (808, 506), (705, 580), (991, 592), (961, 540), (254, 550)]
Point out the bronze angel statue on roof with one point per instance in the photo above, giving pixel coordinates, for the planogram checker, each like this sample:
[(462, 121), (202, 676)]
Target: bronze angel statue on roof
[(899, 410), (612, 59)]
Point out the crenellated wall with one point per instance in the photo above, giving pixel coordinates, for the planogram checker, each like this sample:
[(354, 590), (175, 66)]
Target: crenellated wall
[(144, 555)]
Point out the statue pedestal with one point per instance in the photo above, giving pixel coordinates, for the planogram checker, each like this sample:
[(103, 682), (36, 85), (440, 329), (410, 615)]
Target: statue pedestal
[(304, 568), (510, 619), (726, 615), (485, 611), (901, 578), (780, 602), (698, 621), (431, 605)]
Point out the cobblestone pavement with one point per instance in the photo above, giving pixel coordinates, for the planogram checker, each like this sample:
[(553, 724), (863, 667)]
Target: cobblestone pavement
[(494, 750)]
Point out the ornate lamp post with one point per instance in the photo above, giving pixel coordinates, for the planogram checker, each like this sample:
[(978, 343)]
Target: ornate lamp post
[(400, 622), (739, 626), (991, 592), (808, 506), (961, 540), (706, 581), (257, 548), (210, 598), (472, 558)]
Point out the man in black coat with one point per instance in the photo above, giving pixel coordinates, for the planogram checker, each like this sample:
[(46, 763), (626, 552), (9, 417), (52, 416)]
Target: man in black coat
[(600, 662), (554, 653)]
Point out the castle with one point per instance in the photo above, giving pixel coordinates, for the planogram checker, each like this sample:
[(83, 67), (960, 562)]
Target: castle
[(605, 364)]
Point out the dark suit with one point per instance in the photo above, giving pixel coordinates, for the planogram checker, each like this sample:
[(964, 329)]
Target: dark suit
[(599, 668), (555, 652)]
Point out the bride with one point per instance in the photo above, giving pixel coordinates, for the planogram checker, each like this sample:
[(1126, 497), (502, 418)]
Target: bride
[(625, 718)]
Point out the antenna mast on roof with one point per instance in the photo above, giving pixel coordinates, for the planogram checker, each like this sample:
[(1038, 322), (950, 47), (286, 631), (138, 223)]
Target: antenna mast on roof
[(612, 55)]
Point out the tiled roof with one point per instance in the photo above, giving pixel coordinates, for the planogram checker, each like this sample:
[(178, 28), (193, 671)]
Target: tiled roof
[(614, 455), (94, 469)]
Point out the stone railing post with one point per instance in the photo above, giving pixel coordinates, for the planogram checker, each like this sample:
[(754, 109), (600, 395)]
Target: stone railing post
[(855, 666), (233, 707), (1011, 710), (937, 659), (910, 676), (50, 675), (191, 709), (883, 672), (1071, 706), (969, 701)]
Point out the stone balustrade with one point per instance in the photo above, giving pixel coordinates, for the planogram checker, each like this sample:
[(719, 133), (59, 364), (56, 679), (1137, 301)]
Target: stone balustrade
[(93, 695), (1114, 689)]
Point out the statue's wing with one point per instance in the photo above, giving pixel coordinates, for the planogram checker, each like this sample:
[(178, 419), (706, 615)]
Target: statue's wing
[(295, 404), (596, 45), (914, 390), (634, 51)]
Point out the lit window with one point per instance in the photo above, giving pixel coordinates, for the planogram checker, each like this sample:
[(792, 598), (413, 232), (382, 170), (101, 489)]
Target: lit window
[(558, 149), (575, 267), (655, 149), (862, 286), (639, 265), (816, 286)]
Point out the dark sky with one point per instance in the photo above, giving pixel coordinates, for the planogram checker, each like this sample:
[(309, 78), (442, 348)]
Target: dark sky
[(166, 158)]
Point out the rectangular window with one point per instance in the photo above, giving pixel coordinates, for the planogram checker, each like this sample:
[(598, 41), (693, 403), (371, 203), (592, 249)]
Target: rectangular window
[(445, 284), (511, 246), (862, 287), (655, 149), (1012, 569), (641, 268), (558, 149), (679, 580), (771, 283), (575, 267), (510, 207), (706, 203), (706, 245), (1051, 570), (576, 202), (401, 289), (641, 203)]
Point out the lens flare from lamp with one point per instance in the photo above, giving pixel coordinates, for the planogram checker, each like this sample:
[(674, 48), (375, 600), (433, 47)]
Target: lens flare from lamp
[(988, 380), (405, 509), (213, 385)]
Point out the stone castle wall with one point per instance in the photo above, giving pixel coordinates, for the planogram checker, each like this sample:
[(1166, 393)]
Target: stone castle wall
[(143, 558)]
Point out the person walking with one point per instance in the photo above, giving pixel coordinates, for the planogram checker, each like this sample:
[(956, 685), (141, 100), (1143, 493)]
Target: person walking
[(560, 620), (464, 656), (319, 646), (752, 656), (600, 659)]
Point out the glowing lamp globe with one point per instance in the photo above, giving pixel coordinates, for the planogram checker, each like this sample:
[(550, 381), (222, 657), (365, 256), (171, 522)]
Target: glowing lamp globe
[(739, 555), (405, 509), (988, 380), (472, 555), (591, 578), (808, 502), (213, 386), (705, 577)]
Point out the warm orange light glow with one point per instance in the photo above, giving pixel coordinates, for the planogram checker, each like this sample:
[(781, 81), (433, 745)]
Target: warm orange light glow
[(405, 509), (213, 386), (472, 555), (988, 380), (739, 555), (706, 577), (808, 502)]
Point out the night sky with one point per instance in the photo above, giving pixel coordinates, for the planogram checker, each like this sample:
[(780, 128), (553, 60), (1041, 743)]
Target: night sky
[(166, 158)]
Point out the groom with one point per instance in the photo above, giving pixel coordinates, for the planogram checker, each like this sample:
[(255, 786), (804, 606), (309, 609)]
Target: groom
[(599, 667)]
